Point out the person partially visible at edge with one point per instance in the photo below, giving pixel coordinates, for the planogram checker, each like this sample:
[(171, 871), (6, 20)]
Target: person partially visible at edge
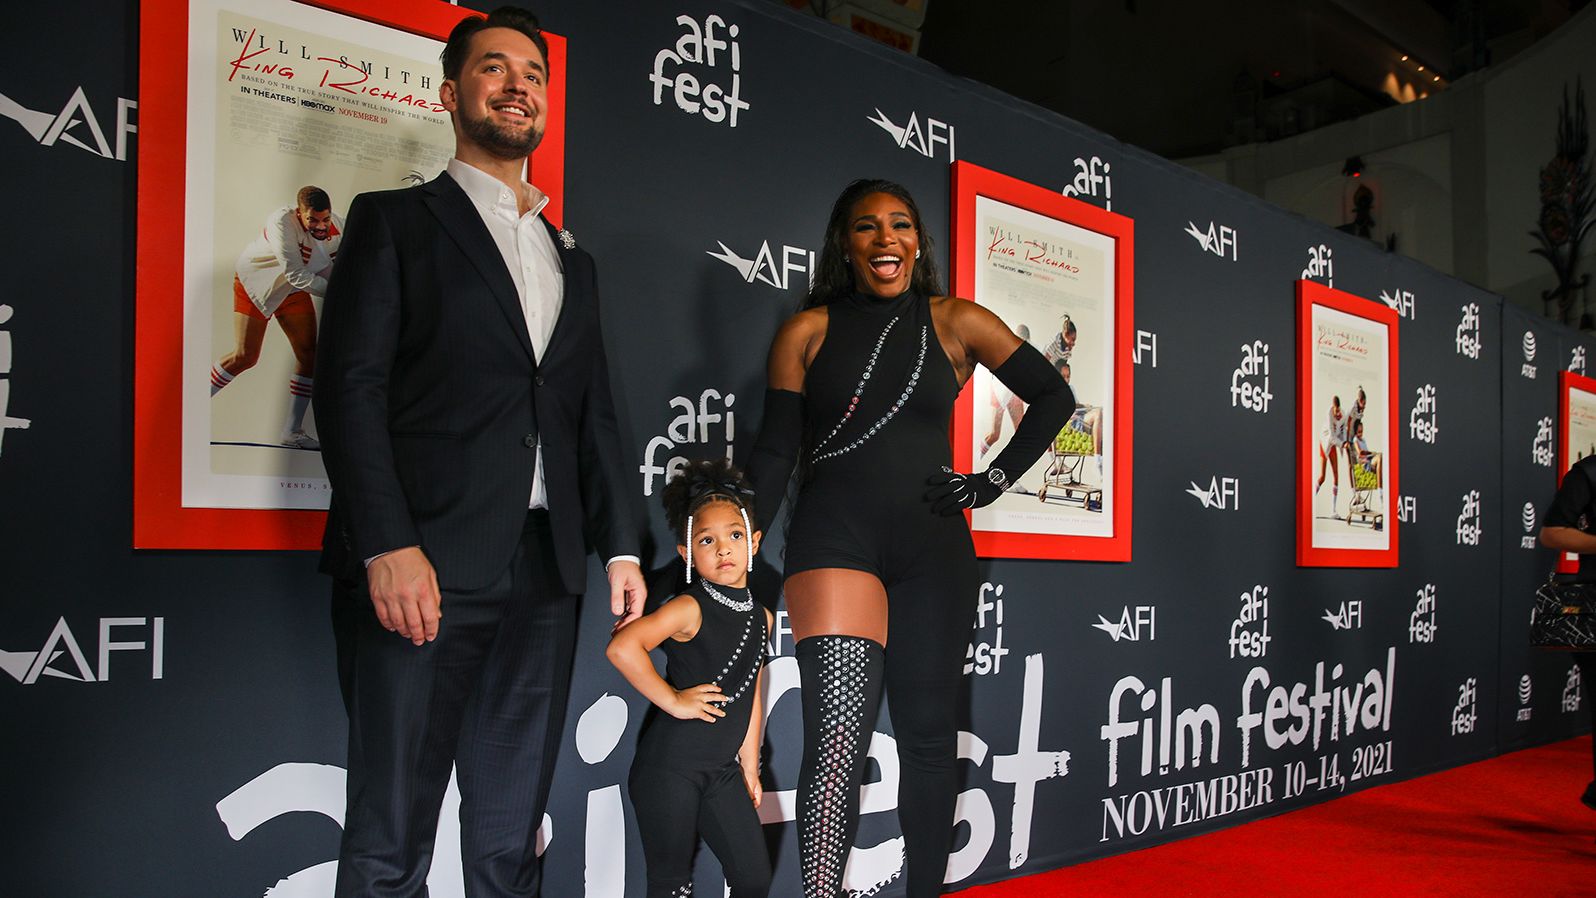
[(881, 580), (473, 452), (1569, 525)]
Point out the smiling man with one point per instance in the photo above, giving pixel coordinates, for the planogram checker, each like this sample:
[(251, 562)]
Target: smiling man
[(469, 432)]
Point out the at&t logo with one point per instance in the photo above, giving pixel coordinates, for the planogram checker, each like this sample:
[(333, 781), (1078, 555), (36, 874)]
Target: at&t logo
[(1399, 300), (62, 656), (1421, 624), (1218, 239), (1249, 383), (910, 136), (1092, 179), (690, 428), (1348, 617), (701, 47), (76, 125), (1249, 632), (1576, 360), (1468, 332), (984, 655), (1465, 714), (1541, 452), (1470, 520), (1223, 493), (1571, 690), (1422, 425), (1529, 355), (1321, 264), (7, 421), (765, 268), (1527, 541), (1134, 625), (1407, 509), (1525, 692)]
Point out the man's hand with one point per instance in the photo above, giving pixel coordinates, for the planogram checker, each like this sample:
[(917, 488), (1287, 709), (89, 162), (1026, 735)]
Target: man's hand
[(404, 593), (627, 591)]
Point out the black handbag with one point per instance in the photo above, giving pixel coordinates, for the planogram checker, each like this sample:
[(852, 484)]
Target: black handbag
[(1564, 614)]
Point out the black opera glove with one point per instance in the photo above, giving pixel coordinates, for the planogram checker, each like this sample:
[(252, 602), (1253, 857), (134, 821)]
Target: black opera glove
[(952, 492)]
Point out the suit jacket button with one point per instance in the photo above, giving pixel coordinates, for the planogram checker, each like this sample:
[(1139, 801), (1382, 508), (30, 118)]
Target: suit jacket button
[(531, 440), (538, 380)]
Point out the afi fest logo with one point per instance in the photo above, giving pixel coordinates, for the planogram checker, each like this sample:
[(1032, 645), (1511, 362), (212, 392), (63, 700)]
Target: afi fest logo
[(1407, 509), (1421, 623), (1223, 493), (1468, 332), (1321, 264), (1400, 301), (770, 268), (1541, 452), (1570, 703), (1134, 625), (1249, 632), (1525, 691), (1218, 239), (695, 70), (1527, 541), (1422, 425), (1529, 355), (75, 125), (694, 427), (1249, 383), (1091, 179), (7, 420), (1465, 714), (910, 136), (1576, 360), (1470, 521), (984, 654), (1348, 617), (62, 657)]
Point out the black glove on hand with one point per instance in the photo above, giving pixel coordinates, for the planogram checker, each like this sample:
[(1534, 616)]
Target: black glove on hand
[(952, 492)]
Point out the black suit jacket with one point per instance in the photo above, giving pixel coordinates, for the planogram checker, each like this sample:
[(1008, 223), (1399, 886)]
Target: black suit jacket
[(429, 402)]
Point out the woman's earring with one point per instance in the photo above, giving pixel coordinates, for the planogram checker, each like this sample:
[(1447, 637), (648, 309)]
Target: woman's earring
[(917, 254), (688, 540), (748, 534)]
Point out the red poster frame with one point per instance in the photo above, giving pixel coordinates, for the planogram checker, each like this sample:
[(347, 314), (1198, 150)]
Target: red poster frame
[(1310, 294), (969, 182), (160, 521), (1567, 383)]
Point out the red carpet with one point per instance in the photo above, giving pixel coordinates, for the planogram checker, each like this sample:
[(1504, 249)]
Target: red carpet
[(1508, 826)]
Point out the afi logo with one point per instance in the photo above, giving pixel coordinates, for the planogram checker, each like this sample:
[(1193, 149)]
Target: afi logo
[(1249, 632), (1422, 425), (1576, 360), (7, 421), (690, 428), (1525, 690), (1146, 341), (1349, 617), (1571, 690), (1407, 508), (1468, 332), (911, 136), (1223, 493), (1133, 625), (1465, 713), (1541, 452), (1528, 370), (1399, 300), (76, 124), (1469, 522), (1421, 624), (1249, 383), (764, 266), (1320, 265), (696, 94), (62, 656), (1092, 179), (984, 654), (1218, 239)]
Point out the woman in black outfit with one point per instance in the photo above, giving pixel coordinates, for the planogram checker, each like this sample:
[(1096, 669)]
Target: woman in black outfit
[(881, 572)]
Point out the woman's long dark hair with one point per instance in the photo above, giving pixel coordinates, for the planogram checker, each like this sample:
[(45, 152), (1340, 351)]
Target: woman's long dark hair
[(834, 278)]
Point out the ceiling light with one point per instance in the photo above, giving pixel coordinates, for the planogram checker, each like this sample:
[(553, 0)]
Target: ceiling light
[(1404, 57), (1421, 68)]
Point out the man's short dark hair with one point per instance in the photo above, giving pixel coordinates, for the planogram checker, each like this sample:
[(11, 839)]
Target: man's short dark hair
[(314, 198), (512, 17)]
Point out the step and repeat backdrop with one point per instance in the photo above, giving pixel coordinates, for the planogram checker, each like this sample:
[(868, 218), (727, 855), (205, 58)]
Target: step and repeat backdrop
[(174, 713)]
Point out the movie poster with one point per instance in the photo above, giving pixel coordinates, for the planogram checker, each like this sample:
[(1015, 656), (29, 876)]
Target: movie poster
[(1350, 414)]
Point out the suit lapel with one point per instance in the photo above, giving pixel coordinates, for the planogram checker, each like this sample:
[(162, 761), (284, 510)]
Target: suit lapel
[(567, 258), (463, 224)]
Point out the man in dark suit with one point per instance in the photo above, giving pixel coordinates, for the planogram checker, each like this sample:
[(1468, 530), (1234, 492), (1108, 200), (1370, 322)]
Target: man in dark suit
[(463, 400)]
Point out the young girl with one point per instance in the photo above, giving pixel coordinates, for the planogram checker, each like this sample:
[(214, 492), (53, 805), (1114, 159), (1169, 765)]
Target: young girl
[(696, 772)]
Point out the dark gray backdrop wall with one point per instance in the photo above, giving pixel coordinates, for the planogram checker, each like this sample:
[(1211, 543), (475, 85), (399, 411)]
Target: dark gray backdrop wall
[(197, 747)]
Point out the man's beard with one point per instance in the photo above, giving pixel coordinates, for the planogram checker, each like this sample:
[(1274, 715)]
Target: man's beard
[(499, 140)]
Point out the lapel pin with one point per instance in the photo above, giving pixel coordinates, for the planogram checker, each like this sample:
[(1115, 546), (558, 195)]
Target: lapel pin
[(566, 240)]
